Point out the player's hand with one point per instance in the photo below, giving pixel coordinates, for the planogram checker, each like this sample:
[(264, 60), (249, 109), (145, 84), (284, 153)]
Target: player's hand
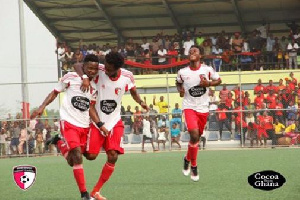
[(85, 85), (144, 105), (204, 82), (36, 113), (104, 130), (181, 92)]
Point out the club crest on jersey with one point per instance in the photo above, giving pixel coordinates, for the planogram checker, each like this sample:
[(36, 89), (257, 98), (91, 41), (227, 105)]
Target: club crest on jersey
[(117, 90), (24, 176), (103, 86), (202, 76), (197, 91)]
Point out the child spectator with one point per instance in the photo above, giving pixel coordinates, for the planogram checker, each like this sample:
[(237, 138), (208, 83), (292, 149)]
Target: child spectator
[(222, 118), (147, 135), (261, 132), (175, 134), (162, 136), (137, 122), (22, 139), (3, 138), (39, 142), (252, 133)]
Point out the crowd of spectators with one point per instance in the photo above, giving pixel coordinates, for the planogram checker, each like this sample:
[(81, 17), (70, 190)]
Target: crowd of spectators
[(224, 51), (273, 113), (15, 138)]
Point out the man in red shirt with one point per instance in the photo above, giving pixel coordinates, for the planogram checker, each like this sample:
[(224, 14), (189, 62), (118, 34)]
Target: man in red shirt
[(270, 87), (238, 92), (271, 101), (279, 112), (222, 118), (268, 124), (259, 87), (223, 94), (259, 100)]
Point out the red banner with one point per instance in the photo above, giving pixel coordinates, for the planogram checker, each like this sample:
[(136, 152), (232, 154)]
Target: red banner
[(147, 66)]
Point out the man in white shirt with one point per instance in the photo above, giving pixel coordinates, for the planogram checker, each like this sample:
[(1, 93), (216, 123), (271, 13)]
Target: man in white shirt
[(75, 112), (162, 53), (292, 48), (187, 45), (111, 82), (145, 44), (192, 84)]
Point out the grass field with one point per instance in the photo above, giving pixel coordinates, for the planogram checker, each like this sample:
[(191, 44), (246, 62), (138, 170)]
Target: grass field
[(223, 175)]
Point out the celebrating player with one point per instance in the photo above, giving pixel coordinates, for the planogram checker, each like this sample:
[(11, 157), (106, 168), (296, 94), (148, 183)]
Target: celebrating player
[(75, 112), (192, 83), (112, 82)]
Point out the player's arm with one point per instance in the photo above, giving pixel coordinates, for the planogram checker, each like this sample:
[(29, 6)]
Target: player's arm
[(78, 67), (95, 117), (180, 88), (138, 99), (46, 102)]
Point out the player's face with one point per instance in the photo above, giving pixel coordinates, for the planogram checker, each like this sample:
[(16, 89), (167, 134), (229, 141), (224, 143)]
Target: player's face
[(110, 70), (194, 54), (91, 69)]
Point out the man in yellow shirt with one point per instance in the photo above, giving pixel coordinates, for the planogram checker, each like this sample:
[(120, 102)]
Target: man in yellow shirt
[(162, 105), (292, 131), (279, 128)]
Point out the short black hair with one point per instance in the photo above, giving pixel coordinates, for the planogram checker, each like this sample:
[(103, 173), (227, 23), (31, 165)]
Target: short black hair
[(115, 58), (91, 58)]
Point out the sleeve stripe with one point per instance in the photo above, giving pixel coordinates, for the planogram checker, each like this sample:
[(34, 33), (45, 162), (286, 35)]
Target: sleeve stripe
[(68, 76)]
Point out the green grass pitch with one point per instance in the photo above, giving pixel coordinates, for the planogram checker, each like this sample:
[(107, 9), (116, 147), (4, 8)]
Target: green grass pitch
[(223, 175)]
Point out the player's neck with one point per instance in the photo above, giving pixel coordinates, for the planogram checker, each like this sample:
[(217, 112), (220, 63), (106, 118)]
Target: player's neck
[(195, 64)]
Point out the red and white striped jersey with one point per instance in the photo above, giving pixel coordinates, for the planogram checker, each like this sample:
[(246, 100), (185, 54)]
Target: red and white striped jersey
[(196, 97), (110, 93), (75, 104)]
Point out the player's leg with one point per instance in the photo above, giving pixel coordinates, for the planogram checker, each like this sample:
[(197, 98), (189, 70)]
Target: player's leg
[(193, 129), (113, 148), (95, 141), (143, 143)]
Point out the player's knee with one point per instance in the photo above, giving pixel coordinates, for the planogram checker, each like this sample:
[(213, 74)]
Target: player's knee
[(194, 136), (89, 156), (74, 157), (112, 157)]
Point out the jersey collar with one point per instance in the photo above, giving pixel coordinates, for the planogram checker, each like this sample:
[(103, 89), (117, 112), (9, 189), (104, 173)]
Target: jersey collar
[(117, 77), (195, 69)]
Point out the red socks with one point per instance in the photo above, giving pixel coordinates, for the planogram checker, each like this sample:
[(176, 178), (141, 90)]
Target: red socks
[(192, 153), (63, 148), (107, 171), (79, 177)]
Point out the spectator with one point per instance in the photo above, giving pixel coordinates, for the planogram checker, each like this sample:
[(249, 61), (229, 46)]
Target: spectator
[(145, 44), (292, 132), (293, 80), (22, 139), (252, 133), (175, 134), (78, 56), (261, 132), (263, 30), (130, 50), (137, 122), (293, 27), (213, 101), (223, 94), (15, 134), (3, 139), (176, 115), (199, 39), (167, 43), (39, 141), (217, 61), (162, 105), (39, 125), (207, 50), (61, 53), (187, 45), (259, 87), (279, 112), (162, 53), (237, 43), (242, 128), (270, 48), (268, 125), (222, 119), (154, 48), (292, 49), (280, 86), (292, 111), (173, 55), (246, 101), (283, 43), (162, 137), (249, 118), (278, 129), (147, 135), (269, 87)]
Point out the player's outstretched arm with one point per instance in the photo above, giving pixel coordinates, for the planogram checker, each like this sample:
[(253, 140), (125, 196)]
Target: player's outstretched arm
[(78, 67), (46, 102), (138, 99), (95, 117)]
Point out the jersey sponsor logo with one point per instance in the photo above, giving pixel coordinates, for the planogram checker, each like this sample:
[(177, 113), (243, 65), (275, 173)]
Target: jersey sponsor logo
[(266, 180), (108, 106), (197, 91), (80, 103), (24, 176)]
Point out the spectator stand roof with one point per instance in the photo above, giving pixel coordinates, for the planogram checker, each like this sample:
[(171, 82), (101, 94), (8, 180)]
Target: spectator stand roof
[(102, 21)]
